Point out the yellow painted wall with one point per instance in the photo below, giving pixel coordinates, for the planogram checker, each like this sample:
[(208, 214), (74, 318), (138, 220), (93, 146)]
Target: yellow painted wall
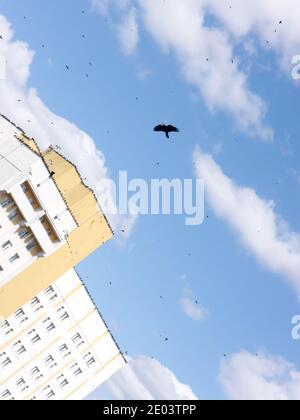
[(28, 142), (93, 231)]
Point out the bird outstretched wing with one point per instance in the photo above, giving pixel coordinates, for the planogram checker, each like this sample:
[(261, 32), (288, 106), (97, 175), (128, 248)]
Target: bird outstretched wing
[(173, 129), (159, 127)]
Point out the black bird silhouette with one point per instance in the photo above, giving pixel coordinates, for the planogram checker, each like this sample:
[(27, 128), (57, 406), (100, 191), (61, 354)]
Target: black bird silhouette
[(167, 129)]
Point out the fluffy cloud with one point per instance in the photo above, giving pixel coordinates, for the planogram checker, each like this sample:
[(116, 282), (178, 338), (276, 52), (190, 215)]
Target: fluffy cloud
[(206, 59), (22, 105), (254, 219), (127, 29), (274, 21), (103, 6), (189, 304), (192, 309), (128, 32), (205, 55), (245, 376), (144, 379), (205, 51)]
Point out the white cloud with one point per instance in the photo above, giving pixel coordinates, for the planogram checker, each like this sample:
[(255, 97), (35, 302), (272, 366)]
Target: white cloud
[(22, 105), (217, 148), (205, 56), (128, 29), (144, 379), (206, 51), (245, 376), (254, 219), (192, 309), (188, 302), (261, 19), (128, 32), (103, 6), (295, 174), (143, 73)]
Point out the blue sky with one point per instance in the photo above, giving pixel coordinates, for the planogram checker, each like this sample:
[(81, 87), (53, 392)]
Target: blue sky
[(249, 304)]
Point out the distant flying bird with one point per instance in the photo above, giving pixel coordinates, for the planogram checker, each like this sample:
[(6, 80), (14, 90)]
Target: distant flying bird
[(167, 129)]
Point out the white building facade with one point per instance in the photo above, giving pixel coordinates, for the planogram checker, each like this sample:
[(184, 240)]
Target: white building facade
[(56, 346), (54, 343)]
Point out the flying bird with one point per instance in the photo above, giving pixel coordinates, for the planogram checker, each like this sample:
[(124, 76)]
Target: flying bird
[(167, 129)]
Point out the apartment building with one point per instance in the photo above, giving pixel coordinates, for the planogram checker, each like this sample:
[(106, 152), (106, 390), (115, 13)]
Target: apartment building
[(54, 343)]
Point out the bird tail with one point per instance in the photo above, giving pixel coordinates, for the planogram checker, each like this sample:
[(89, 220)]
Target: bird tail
[(167, 135)]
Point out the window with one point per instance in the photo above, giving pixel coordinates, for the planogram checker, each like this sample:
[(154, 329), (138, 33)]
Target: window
[(62, 381), (63, 349), (19, 313), (49, 325), (50, 362), (36, 373), (48, 392), (34, 337), (49, 359), (6, 245), (4, 360), (6, 202), (6, 395), (63, 314), (6, 327), (89, 359), (21, 316), (50, 293), (75, 369), (23, 233), (49, 290), (31, 245), (21, 384), (4, 324), (77, 340), (12, 215), (19, 348), (36, 304), (24, 187), (29, 192), (14, 258)]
